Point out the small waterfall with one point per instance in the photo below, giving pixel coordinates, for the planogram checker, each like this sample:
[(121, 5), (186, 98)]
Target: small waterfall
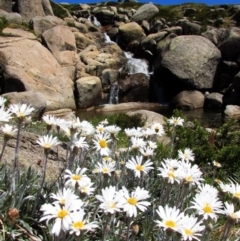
[(107, 39), (113, 97), (94, 20), (136, 65)]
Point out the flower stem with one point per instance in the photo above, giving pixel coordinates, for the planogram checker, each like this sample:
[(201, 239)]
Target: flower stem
[(128, 228), (3, 148), (16, 160), (43, 181), (105, 227)]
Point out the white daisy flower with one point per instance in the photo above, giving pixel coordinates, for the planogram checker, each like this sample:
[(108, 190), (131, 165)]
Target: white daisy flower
[(190, 228), (86, 187), (137, 143), (60, 214), (148, 132), (176, 121), (2, 101), (87, 129), (79, 143), (9, 131), (5, 115), (207, 205), (104, 122), (158, 129), (47, 142), (216, 164), (112, 130), (79, 224), (169, 218), (146, 151), (132, 202), (186, 155), (169, 173), (101, 144), (138, 167), (230, 213), (110, 200), (49, 120), (130, 132), (152, 144), (76, 179), (235, 190), (66, 194), (21, 110), (100, 128), (106, 168), (189, 174)]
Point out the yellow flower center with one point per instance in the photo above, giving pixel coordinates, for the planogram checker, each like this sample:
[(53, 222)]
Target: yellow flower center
[(84, 189), (188, 232), (20, 114), (102, 143), (100, 129), (237, 194), (112, 204), (47, 146), (189, 179), (139, 168), (76, 177), (132, 201), (207, 208), (62, 213), (157, 129), (78, 225), (170, 224), (105, 170), (171, 174)]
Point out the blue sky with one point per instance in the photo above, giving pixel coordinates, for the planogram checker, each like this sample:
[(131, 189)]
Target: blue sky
[(162, 2)]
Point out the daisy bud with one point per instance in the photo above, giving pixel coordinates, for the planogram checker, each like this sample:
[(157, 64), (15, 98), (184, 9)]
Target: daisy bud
[(117, 175), (13, 214), (135, 229)]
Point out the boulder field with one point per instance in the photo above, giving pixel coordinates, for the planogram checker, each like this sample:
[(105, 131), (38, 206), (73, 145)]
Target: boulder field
[(72, 60)]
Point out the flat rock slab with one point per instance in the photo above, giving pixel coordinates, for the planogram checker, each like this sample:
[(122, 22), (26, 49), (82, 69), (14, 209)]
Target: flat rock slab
[(129, 106)]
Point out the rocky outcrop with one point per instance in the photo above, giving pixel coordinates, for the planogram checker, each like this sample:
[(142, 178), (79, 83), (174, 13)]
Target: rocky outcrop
[(230, 45), (188, 100), (40, 24), (232, 111), (145, 12), (64, 47), (191, 60), (134, 88), (34, 98), (62, 54), (14, 18), (31, 8), (213, 101), (89, 91), (28, 66), (128, 33)]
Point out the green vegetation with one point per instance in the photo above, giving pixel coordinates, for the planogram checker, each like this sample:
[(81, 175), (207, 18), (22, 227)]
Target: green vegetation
[(60, 10), (220, 144), (3, 24)]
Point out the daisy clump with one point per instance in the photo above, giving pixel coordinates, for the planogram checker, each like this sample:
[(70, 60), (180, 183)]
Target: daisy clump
[(138, 166)]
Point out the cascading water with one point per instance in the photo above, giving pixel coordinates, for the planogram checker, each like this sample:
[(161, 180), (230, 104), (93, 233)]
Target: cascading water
[(94, 20), (107, 39), (113, 98), (135, 65), (132, 66)]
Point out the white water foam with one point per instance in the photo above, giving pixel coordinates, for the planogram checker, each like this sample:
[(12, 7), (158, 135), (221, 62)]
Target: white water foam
[(94, 20), (136, 65), (107, 39)]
